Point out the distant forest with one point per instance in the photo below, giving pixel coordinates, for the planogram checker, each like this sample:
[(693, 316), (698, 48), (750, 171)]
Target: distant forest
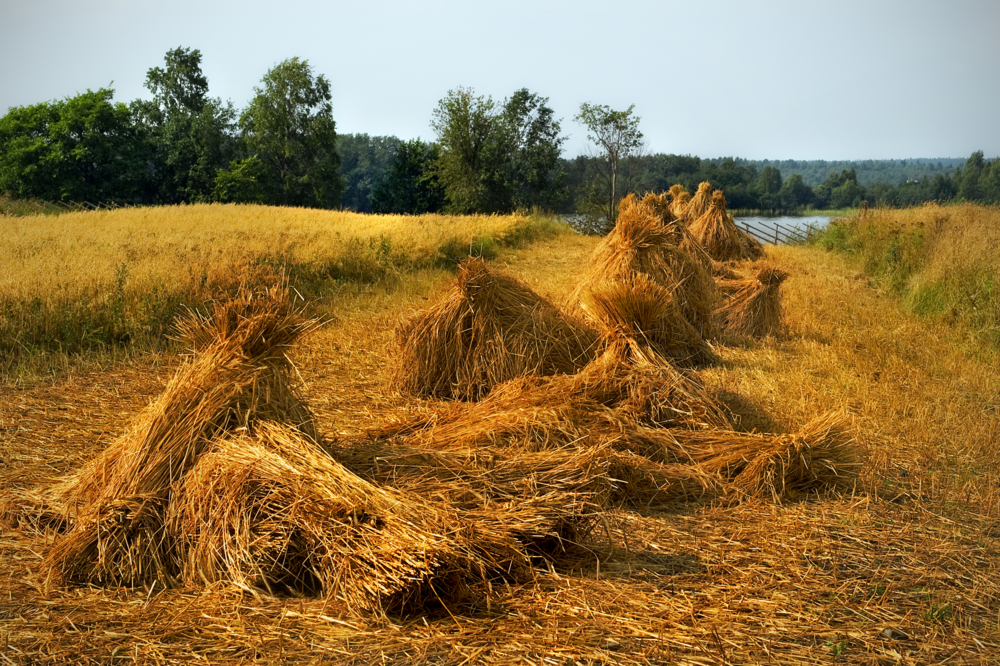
[(764, 185), (487, 156), (869, 172)]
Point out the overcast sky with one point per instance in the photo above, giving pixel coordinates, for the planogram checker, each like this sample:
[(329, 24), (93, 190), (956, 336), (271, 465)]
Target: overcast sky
[(869, 79)]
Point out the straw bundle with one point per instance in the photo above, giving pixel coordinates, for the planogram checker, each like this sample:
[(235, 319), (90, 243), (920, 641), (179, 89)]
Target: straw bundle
[(639, 243), (752, 307), (489, 328), (822, 455), (116, 501), (646, 484), (470, 477), (216, 482), (716, 231), (561, 488), (679, 200), (700, 202), (545, 499), (660, 205), (638, 308), (274, 511), (647, 389)]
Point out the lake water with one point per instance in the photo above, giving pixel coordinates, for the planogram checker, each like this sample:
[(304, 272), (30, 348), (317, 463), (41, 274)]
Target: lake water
[(763, 228), (797, 222)]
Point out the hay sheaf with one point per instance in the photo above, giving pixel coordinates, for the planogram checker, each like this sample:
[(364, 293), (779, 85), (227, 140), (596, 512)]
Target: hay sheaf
[(716, 231), (679, 199), (659, 203), (641, 244), (823, 455), (221, 479), (239, 373), (488, 329), (638, 308), (752, 306), (700, 202), (274, 511)]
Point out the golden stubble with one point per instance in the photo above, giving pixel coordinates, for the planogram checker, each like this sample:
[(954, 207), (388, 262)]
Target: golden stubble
[(67, 255)]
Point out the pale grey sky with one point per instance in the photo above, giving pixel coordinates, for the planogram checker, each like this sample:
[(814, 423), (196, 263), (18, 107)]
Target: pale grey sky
[(867, 79)]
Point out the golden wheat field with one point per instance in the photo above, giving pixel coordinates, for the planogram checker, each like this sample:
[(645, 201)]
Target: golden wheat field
[(902, 566), (86, 281), (76, 252)]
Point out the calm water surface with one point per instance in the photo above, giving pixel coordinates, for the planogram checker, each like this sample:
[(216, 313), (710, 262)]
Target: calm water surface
[(797, 222)]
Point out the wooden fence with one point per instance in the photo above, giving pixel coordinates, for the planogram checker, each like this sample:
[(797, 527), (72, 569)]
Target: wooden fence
[(778, 234)]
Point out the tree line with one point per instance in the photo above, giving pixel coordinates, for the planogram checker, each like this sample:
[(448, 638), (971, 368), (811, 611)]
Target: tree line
[(487, 156), (180, 146)]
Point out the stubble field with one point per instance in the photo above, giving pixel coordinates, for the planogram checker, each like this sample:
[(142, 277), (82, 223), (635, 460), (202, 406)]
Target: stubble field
[(902, 569)]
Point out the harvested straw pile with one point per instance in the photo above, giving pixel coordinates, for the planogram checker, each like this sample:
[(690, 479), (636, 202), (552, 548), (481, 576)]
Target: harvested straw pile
[(638, 308), (679, 200), (752, 306), (221, 479), (660, 205), (640, 244), (716, 231), (823, 455), (274, 511), (488, 329), (699, 203)]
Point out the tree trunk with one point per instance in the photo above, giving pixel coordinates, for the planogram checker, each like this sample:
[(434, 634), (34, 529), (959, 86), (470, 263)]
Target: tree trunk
[(611, 202)]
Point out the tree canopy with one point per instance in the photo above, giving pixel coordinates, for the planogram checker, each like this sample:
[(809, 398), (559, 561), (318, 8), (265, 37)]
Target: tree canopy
[(496, 158), (82, 148), (189, 134), (618, 138), (289, 126), (410, 185)]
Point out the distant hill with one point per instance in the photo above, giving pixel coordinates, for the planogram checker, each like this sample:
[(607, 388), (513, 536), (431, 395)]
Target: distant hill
[(893, 172)]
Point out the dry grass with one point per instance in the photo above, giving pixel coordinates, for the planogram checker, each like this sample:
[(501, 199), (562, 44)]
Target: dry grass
[(941, 259), (900, 569), (716, 231), (75, 254), (114, 280), (641, 244), (752, 306), (488, 329)]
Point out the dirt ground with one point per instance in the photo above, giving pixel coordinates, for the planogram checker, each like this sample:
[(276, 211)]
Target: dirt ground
[(904, 570)]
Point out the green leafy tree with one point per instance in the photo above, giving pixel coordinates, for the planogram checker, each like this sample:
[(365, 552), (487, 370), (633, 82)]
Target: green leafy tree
[(767, 189), (840, 190), (289, 126), (497, 158), (794, 193), (82, 148), (242, 182), (969, 176), (534, 148), (410, 185), (881, 194), (617, 135), (189, 133), (467, 131), (364, 161)]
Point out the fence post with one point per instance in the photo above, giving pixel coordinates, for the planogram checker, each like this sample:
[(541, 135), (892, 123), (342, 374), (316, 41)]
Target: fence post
[(775, 233)]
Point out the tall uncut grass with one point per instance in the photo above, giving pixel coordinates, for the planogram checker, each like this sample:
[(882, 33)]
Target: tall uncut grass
[(942, 261), (90, 280)]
